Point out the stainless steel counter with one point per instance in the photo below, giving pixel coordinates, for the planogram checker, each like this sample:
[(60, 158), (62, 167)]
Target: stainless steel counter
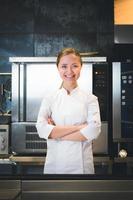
[(77, 189), (41, 159), (62, 187), (10, 189), (100, 162)]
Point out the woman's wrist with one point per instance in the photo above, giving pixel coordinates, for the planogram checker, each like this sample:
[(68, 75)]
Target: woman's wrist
[(82, 126)]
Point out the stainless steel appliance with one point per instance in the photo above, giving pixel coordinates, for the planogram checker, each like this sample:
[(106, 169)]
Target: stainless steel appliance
[(123, 108), (34, 76), (4, 139), (122, 101)]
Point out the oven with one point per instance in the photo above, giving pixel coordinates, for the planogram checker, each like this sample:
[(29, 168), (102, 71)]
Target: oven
[(123, 107)]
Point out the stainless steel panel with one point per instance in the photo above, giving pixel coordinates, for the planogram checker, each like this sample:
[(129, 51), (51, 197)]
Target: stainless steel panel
[(77, 185), (25, 139), (77, 189), (10, 189), (41, 79), (78, 196), (22, 92), (52, 59), (116, 100), (26, 142), (15, 92), (100, 145)]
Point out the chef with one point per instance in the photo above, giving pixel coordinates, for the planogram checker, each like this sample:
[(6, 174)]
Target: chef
[(69, 119)]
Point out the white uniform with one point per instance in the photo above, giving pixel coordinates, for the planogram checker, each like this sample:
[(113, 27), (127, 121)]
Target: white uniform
[(63, 156)]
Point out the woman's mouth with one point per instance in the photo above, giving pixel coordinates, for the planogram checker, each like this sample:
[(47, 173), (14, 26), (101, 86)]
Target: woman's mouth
[(69, 76)]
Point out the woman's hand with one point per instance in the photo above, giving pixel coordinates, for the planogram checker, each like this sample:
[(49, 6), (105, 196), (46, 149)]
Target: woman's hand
[(72, 130), (50, 121)]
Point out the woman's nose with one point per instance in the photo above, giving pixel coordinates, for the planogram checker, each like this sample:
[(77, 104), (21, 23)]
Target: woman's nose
[(69, 70)]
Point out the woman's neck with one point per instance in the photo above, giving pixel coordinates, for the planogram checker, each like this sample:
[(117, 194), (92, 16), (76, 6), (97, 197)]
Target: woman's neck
[(69, 87)]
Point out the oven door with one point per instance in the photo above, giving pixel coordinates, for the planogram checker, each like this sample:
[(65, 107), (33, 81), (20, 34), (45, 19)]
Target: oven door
[(25, 139)]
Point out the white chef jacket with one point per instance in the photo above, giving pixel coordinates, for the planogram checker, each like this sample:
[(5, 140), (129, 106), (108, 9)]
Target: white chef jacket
[(63, 156)]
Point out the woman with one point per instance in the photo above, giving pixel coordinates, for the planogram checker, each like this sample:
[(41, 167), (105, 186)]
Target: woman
[(69, 120)]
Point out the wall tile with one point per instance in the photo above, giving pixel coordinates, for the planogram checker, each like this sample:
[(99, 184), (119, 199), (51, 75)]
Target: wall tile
[(48, 44), (16, 45), (16, 16), (69, 16)]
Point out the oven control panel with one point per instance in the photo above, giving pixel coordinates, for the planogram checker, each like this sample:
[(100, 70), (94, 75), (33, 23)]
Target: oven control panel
[(127, 100)]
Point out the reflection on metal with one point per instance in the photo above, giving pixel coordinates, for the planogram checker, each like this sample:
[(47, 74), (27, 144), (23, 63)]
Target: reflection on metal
[(15, 92), (25, 139), (41, 79), (123, 153), (41, 159), (52, 59), (37, 160), (116, 101), (21, 92), (77, 189), (10, 189)]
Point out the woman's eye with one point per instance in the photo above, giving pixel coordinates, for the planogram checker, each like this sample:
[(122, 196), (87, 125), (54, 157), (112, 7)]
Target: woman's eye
[(64, 66), (75, 66)]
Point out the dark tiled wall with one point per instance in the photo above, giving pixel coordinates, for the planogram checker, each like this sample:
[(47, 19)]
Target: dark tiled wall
[(43, 27)]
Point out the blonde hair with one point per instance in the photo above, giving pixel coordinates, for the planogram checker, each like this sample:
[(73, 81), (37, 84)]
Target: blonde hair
[(67, 51)]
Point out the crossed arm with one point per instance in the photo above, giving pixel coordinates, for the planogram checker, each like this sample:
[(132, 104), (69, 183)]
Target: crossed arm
[(85, 132), (71, 132)]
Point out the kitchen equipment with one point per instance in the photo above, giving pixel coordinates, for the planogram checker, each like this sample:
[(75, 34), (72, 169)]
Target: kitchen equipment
[(122, 102), (32, 77), (123, 107), (4, 137)]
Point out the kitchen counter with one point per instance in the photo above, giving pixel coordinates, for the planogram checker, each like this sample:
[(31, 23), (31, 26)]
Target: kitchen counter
[(23, 186), (62, 187), (35, 164), (104, 165), (41, 160)]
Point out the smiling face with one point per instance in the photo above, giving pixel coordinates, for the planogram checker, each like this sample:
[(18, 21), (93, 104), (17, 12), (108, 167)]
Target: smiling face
[(69, 68)]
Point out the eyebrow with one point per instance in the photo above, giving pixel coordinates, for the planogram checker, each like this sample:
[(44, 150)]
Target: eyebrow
[(74, 63), (67, 63)]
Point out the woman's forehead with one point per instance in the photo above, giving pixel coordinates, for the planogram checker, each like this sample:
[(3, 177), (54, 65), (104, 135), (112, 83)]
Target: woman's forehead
[(69, 58)]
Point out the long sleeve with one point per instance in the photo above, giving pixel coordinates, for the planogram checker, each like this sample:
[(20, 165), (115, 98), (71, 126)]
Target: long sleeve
[(43, 128), (93, 129)]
